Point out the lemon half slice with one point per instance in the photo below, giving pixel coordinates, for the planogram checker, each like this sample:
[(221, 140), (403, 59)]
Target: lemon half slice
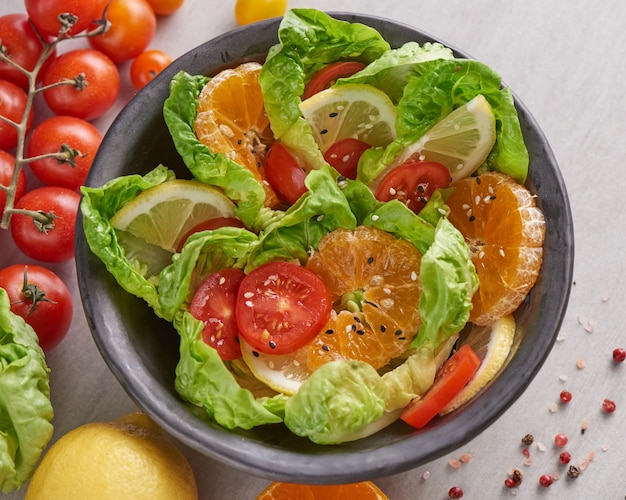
[(493, 345), (163, 214), (357, 111)]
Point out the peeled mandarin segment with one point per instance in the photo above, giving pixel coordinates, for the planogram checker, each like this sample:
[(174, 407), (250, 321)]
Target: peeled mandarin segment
[(505, 231), (231, 120), (365, 490)]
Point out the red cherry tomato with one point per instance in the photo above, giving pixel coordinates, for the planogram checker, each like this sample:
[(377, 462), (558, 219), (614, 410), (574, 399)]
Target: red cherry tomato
[(281, 306), (12, 106), (328, 75), (413, 183), (165, 7), (146, 66), (455, 373), (95, 98), (284, 174), (132, 28), (7, 166), (214, 304), (52, 244), (45, 14), (206, 225), (344, 156), (21, 44), (41, 298), (61, 134)]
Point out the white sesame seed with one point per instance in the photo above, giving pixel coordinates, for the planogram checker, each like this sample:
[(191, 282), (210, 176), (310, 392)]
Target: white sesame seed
[(249, 303), (222, 280), (270, 363), (248, 295), (375, 217)]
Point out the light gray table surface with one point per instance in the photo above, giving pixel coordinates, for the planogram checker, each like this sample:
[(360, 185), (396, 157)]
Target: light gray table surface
[(565, 60)]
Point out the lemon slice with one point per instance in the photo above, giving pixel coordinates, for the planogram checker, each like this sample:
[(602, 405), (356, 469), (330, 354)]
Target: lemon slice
[(162, 215), (461, 141), (493, 345), (282, 373), (357, 111)]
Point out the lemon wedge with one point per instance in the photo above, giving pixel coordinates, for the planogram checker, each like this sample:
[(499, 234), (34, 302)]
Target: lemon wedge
[(163, 214), (357, 111), (461, 141), (492, 344), (283, 373)]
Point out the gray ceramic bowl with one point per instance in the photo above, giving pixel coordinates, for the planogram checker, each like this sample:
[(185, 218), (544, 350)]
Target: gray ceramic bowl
[(142, 350)]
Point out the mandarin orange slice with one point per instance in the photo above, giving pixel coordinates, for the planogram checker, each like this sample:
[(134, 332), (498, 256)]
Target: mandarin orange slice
[(505, 231), (373, 278), (365, 490), (231, 120)]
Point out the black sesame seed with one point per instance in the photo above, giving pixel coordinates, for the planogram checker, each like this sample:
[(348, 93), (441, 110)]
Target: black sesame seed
[(370, 260), (472, 218), (272, 344), (423, 199), (421, 189), (383, 328), (478, 181), (324, 131), (330, 331), (492, 197), (255, 354), (325, 348), (353, 327), (401, 338), (239, 141), (356, 318), (398, 332), (360, 332), (333, 114)]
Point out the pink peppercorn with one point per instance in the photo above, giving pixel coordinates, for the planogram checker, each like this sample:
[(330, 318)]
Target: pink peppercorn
[(619, 354), (546, 480), (565, 396), (565, 457), (560, 440), (608, 406), (455, 492)]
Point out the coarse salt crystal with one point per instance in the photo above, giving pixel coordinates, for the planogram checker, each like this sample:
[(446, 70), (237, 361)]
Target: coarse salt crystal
[(426, 475), (563, 378), (553, 407), (541, 447)]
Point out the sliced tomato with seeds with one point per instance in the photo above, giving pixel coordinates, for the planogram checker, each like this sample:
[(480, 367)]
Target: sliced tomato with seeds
[(413, 183), (281, 306), (344, 156), (328, 75), (214, 305), (453, 375)]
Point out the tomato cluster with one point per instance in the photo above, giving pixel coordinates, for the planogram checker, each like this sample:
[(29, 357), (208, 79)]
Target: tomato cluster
[(77, 86)]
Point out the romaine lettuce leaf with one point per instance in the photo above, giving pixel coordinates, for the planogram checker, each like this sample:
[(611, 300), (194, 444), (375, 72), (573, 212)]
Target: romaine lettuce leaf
[(25, 408)]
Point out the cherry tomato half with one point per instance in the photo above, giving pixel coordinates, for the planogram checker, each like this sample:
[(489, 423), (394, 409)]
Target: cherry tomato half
[(328, 75), (251, 11), (284, 174), (95, 98), (214, 223), (454, 374), (45, 14), (413, 183), (21, 44), (344, 156), (44, 301), (64, 134), (214, 304), (12, 106), (132, 28), (281, 306), (146, 66), (47, 244), (7, 166)]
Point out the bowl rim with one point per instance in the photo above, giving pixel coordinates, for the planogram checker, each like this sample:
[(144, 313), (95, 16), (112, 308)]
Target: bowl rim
[(345, 463)]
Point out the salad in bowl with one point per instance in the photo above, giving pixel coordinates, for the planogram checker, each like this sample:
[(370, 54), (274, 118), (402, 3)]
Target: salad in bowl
[(342, 241)]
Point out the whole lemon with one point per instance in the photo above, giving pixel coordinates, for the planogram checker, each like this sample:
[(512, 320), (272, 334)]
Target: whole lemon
[(128, 458)]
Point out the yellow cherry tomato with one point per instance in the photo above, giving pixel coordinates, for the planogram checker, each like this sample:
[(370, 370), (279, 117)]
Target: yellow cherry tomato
[(251, 11)]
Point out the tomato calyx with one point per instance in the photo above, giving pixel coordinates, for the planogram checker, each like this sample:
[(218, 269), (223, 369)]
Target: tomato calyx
[(32, 293)]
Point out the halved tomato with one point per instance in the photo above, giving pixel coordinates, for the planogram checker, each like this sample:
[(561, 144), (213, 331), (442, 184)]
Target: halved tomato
[(344, 156), (328, 75)]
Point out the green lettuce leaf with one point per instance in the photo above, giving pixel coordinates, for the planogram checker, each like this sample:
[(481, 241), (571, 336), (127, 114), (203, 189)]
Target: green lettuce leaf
[(25, 408)]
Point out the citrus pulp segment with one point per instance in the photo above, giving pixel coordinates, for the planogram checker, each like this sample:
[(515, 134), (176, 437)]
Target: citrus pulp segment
[(163, 214), (505, 231), (231, 120), (366, 490), (357, 111), (492, 344)]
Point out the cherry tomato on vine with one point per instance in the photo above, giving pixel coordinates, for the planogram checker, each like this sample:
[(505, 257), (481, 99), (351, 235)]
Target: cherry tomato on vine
[(74, 137), (22, 45), (284, 174), (165, 7), (146, 66), (413, 183), (97, 95), (344, 156), (50, 243), (7, 167), (251, 11), (281, 306), (132, 28), (214, 223), (454, 374), (328, 75), (214, 305), (40, 297), (12, 106), (44, 14)]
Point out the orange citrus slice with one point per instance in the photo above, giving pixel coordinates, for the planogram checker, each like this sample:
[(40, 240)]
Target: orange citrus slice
[(505, 231), (365, 490), (373, 278), (231, 120)]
